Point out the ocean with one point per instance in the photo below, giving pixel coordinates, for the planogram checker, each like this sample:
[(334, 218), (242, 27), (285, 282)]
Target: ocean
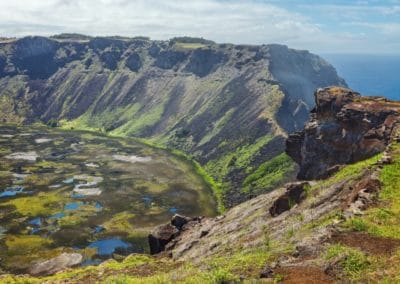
[(371, 75)]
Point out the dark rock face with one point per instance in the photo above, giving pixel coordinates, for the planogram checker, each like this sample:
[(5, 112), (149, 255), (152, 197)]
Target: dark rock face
[(204, 61), (295, 193), (162, 235), (344, 128), (170, 58), (110, 59), (134, 62), (3, 61), (35, 57)]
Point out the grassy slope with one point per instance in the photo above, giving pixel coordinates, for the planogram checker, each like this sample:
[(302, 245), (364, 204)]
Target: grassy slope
[(381, 220), (260, 178)]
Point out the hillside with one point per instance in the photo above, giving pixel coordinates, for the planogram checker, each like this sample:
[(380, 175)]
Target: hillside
[(343, 228), (228, 106)]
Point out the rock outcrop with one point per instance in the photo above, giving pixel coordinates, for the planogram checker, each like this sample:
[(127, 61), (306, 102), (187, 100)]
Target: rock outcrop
[(163, 234), (344, 128)]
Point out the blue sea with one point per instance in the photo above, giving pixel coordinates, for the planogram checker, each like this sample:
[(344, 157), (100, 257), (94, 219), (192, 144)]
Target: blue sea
[(371, 75)]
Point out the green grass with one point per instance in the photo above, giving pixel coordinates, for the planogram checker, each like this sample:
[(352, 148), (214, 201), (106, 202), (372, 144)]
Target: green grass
[(140, 121), (239, 158), (42, 204), (353, 262), (25, 244), (105, 121), (184, 45), (269, 173), (217, 127), (384, 220), (352, 171)]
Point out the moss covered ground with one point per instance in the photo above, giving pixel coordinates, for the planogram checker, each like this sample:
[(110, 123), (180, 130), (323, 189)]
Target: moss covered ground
[(51, 212)]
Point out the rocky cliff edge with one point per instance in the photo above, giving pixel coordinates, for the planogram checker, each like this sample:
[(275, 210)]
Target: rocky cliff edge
[(344, 128)]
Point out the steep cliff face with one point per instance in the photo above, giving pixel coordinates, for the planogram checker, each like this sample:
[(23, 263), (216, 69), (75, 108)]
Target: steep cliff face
[(344, 128), (228, 106)]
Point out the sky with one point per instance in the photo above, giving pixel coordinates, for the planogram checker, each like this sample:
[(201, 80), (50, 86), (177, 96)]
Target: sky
[(371, 27)]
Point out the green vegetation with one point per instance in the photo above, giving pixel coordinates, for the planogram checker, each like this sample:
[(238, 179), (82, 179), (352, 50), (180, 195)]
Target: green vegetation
[(191, 40), (199, 170), (134, 196), (269, 174), (25, 244), (353, 262), (138, 268), (240, 158), (120, 223), (384, 220), (217, 127), (141, 121), (42, 204), (181, 45)]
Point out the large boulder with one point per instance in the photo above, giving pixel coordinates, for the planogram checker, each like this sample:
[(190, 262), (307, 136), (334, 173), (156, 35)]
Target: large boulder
[(56, 264)]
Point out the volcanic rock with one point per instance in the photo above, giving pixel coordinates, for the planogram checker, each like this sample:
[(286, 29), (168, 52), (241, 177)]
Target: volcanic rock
[(344, 128)]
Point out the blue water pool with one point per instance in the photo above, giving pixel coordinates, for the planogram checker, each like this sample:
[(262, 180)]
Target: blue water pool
[(107, 247), (173, 210), (12, 191), (36, 222), (57, 215), (72, 205), (98, 206)]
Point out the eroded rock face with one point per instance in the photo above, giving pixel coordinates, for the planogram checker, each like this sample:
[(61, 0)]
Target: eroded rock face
[(56, 264), (344, 128)]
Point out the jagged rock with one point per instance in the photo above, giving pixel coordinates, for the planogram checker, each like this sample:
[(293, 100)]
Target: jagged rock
[(295, 193), (344, 128), (179, 221), (363, 194), (161, 236), (56, 264)]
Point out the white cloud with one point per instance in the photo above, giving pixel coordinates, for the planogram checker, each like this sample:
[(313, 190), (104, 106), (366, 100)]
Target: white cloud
[(247, 21)]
